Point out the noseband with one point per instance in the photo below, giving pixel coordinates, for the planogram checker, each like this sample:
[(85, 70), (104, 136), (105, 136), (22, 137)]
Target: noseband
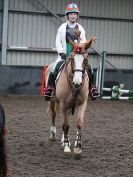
[(78, 70)]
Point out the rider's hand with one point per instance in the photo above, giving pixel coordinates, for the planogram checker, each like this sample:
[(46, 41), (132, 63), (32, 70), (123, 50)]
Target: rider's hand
[(63, 56)]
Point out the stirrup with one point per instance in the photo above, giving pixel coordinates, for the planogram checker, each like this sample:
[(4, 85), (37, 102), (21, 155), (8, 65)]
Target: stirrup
[(48, 94), (48, 97), (93, 92)]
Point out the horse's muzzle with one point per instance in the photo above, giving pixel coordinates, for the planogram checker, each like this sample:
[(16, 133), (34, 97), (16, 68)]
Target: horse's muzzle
[(77, 86)]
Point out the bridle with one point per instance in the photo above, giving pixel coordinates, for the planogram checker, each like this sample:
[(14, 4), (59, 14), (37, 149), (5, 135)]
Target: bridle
[(73, 70), (76, 90), (78, 48)]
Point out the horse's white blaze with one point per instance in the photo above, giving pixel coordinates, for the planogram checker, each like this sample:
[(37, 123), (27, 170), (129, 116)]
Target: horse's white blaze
[(77, 78)]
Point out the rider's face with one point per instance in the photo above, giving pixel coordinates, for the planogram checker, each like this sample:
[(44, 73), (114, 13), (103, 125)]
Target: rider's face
[(73, 17)]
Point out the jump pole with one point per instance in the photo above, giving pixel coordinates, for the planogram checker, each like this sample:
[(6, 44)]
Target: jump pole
[(130, 92), (117, 98)]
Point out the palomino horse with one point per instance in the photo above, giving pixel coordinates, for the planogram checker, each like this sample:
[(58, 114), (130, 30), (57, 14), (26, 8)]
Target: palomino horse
[(3, 166), (71, 92)]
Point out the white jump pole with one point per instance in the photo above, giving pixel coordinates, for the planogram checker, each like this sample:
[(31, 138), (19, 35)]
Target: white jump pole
[(117, 98), (130, 92)]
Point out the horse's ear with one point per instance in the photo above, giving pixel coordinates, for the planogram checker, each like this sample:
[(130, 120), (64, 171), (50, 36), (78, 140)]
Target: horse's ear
[(71, 42), (88, 43)]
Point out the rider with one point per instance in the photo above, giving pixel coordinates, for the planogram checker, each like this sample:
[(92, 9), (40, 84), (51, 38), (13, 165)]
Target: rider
[(75, 32)]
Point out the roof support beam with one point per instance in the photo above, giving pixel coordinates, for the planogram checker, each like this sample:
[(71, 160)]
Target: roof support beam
[(56, 16)]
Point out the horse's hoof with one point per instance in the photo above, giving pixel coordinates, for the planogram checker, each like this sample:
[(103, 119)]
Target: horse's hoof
[(67, 149), (77, 151), (53, 139), (63, 145)]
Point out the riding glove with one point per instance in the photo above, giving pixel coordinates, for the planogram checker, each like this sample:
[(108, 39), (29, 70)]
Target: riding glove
[(63, 56)]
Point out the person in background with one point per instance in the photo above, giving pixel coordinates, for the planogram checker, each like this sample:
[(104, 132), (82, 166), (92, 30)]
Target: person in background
[(72, 29)]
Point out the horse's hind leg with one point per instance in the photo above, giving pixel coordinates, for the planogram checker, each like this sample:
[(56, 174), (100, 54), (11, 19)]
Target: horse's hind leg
[(53, 115)]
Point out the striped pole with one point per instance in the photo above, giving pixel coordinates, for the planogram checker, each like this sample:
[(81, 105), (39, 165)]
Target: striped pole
[(116, 98), (130, 92)]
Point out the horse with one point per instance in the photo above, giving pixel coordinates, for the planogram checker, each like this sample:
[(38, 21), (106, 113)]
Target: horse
[(71, 92), (3, 165)]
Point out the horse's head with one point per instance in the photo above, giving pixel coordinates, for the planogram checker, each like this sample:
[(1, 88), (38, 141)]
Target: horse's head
[(79, 60)]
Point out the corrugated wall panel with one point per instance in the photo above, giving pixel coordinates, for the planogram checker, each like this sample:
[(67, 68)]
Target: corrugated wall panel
[(0, 27), (34, 5), (1, 7), (28, 58), (23, 5), (40, 59), (31, 30), (113, 36), (105, 8), (40, 31), (120, 62), (1, 4), (1, 15), (37, 30)]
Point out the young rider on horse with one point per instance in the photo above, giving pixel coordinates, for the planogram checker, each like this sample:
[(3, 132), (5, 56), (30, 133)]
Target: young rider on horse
[(76, 33)]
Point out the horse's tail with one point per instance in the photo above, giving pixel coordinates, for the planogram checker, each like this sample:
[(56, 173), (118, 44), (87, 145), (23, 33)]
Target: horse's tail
[(3, 164)]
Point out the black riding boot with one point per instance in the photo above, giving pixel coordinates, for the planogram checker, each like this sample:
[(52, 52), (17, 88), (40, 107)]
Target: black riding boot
[(93, 92), (49, 88)]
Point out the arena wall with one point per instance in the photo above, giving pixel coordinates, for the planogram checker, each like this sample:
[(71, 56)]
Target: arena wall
[(28, 31)]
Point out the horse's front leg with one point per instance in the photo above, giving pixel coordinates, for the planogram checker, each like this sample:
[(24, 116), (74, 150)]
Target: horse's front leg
[(53, 115), (80, 121), (65, 127)]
